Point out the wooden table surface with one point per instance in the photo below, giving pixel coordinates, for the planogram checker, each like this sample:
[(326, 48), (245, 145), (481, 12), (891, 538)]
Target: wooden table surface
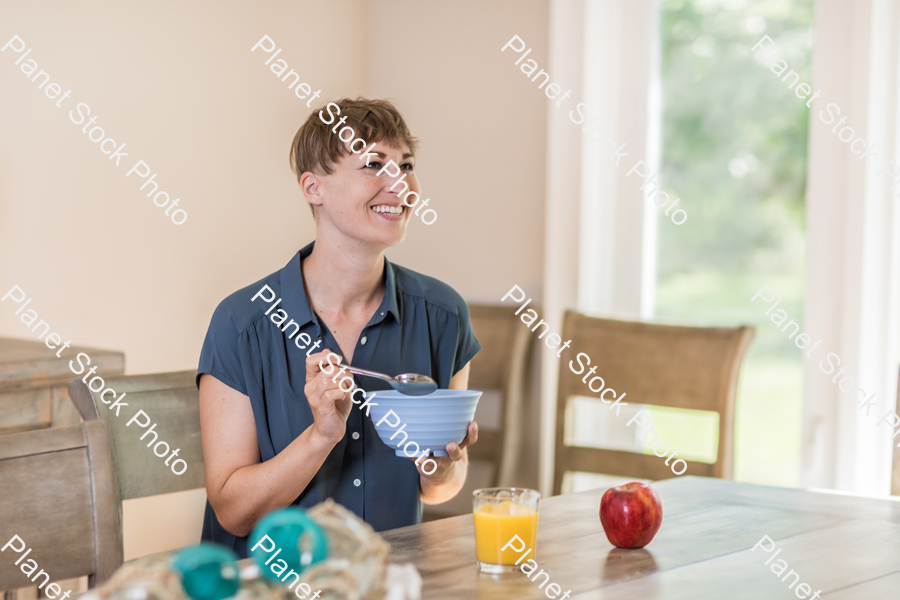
[(847, 547)]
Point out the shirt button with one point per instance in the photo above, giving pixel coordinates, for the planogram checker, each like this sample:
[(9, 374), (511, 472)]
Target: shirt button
[(357, 482), (355, 435), (363, 340)]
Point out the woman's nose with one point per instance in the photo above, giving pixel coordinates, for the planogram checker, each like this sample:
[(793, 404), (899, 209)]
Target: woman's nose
[(400, 186)]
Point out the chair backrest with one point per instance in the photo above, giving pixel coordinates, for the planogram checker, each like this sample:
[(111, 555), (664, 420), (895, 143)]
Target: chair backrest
[(895, 473), (501, 364), (57, 495), (663, 365), (33, 383), (171, 402)]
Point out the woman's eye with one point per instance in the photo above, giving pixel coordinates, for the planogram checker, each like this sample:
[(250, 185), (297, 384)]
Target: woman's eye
[(373, 164), (407, 166)]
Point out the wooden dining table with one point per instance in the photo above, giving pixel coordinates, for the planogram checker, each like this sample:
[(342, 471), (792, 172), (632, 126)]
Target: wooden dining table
[(846, 546)]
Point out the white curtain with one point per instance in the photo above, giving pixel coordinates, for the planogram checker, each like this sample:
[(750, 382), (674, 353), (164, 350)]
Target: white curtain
[(853, 259)]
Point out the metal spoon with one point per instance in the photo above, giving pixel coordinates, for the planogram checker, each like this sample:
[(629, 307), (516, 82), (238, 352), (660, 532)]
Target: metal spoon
[(410, 384)]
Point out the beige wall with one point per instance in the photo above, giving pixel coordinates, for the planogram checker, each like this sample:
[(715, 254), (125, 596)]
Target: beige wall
[(482, 133), (482, 159), (178, 84)]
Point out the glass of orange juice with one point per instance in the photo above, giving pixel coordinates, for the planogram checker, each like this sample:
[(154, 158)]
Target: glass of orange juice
[(500, 515)]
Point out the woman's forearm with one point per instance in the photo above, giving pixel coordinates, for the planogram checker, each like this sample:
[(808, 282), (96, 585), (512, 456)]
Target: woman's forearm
[(252, 491)]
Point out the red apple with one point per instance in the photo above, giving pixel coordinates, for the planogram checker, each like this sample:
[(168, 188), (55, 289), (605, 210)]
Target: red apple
[(631, 514)]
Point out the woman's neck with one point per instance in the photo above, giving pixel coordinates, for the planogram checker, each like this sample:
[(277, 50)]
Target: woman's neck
[(339, 279)]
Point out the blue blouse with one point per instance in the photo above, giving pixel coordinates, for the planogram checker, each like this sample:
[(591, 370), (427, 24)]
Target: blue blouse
[(422, 326)]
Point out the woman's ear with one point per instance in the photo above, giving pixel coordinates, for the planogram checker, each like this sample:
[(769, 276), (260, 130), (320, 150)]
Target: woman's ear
[(311, 186)]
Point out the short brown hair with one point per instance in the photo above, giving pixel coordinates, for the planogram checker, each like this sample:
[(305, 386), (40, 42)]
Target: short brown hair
[(315, 148)]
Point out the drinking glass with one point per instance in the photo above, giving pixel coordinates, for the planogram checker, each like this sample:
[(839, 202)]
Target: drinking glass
[(501, 514)]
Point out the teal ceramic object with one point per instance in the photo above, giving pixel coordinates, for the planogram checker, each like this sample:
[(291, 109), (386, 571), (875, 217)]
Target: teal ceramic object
[(208, 571), (287, 534)]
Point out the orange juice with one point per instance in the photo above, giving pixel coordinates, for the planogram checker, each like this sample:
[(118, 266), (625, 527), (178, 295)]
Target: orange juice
[(496, 524)]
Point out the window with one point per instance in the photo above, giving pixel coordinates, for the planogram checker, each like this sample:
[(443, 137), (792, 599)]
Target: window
[(734, 149)]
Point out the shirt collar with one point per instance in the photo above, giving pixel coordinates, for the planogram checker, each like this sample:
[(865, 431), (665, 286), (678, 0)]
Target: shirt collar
[(293, 290), (390, 302), (297, 304)]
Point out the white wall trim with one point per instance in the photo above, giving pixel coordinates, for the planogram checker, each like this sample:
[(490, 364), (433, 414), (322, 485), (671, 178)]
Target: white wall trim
[(595, 227), (561, 210)]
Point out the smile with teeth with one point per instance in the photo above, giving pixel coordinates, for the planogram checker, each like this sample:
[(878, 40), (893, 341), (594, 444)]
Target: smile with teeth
[(386, 209)]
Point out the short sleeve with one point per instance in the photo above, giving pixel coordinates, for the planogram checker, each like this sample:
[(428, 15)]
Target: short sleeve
[(467, 345), (220, 356)]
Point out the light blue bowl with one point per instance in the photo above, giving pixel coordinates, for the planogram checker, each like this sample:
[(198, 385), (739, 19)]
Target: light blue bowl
[(432, 421)]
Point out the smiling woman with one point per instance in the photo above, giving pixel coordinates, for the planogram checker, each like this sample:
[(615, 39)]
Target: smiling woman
[(277, 427), (370, 161)]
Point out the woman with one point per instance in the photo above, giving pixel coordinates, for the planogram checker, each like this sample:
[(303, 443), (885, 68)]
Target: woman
[(276, 429)]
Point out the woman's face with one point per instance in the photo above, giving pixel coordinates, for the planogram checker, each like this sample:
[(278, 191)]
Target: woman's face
[(359, 203)]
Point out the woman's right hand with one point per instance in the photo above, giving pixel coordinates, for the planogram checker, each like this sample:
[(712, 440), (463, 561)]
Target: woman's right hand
[(330, 406)]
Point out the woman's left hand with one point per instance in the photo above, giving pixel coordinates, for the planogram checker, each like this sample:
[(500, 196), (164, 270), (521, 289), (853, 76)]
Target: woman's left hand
[(446, 465)]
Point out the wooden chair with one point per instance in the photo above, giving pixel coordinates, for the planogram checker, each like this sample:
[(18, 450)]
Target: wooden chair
[(34, 383), (663, 365), (58, 496), (501, 364), (895, 473), (172, 402)]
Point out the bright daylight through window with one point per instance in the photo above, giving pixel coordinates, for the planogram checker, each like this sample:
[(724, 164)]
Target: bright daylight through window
[(736, 144)]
